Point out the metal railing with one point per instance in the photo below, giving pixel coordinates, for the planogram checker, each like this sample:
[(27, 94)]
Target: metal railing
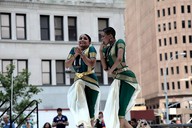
[(29, 105), (4, 111), (171, 125), (23, 120)]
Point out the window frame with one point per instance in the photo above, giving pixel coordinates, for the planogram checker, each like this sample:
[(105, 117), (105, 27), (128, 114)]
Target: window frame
[(72, 28), (57, 28), (9, 26), (25, 35), (47, 28)]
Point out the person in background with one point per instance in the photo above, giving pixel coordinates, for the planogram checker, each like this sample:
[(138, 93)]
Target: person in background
[(133, 123), (83, 95), (60, 121), (7, 122), (47, 125), (125, 88), (100, 121)]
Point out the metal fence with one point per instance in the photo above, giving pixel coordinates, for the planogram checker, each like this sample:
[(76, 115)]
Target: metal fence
[(171, 125)]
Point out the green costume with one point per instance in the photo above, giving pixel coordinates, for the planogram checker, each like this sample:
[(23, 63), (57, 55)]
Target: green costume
[(87, 75), (125, 75)]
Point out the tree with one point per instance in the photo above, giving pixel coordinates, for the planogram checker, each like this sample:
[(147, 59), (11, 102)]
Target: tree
[(22, 91)]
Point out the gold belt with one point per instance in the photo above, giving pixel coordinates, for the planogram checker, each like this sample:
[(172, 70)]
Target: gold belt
[(121, 70), (80, 75)]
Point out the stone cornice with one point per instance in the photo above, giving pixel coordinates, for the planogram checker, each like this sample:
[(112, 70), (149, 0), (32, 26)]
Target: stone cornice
[(63, 6)]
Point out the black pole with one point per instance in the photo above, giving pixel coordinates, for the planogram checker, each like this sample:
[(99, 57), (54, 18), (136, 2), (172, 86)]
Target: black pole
[(37, 115), (10, 115)]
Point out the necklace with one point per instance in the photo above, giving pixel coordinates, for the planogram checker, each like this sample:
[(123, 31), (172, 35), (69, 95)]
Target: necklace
[(108, 51)]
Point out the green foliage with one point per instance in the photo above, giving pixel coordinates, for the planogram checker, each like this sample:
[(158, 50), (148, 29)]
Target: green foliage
[(22, 91)]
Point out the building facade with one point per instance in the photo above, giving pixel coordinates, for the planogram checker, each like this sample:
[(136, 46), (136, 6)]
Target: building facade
[(38, 34), (157, 34)]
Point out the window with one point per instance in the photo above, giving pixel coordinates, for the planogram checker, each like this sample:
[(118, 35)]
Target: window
[(177, 68), (102, 23), (175, 39), (175, 105), (188, 8), (110, 79), (99, 72), (172, 70), (163, 12), (5, 21), (174, 10), (178, 85), (60, 72), (161, 71), (190, 54), (160, 42), (21, 26), (169, 11), (185, 56), (5, 63), (184, 39), (165, 56), (191, 68), (165, 41), (171, 54), (46, 72), (158, 13), (189, 23), (72, 74), (167, 85), (169, 24), (182, 9), (58, 23), (160, 57), (167, 70), (159, 28), (44, 24), (175, 25), (187, 84), (21, 65), (162, 86), (164, 27), (183, 24), (170, 40), (173, 85), (72, 28), (176, 54), (190, 38), (186, 69)]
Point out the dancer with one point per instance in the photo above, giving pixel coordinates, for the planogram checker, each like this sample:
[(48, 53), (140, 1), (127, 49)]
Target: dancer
[(124, 88), (83, 95)]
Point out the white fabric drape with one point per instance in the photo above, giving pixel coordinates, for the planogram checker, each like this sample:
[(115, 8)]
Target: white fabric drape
[(111, 117), (77, 102)]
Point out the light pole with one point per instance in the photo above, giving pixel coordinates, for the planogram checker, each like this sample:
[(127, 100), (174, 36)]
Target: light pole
[(165, 86)]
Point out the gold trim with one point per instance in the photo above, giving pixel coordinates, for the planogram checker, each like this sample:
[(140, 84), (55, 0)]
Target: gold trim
[(92, 55), (90, 79), (125, 77), (121, 117), (121, 45), (80, 75), (86, 78), (69, 56)]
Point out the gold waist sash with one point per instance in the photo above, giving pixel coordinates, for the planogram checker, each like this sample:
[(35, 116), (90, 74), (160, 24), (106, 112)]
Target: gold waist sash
[(121, 70), (80, 75)]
